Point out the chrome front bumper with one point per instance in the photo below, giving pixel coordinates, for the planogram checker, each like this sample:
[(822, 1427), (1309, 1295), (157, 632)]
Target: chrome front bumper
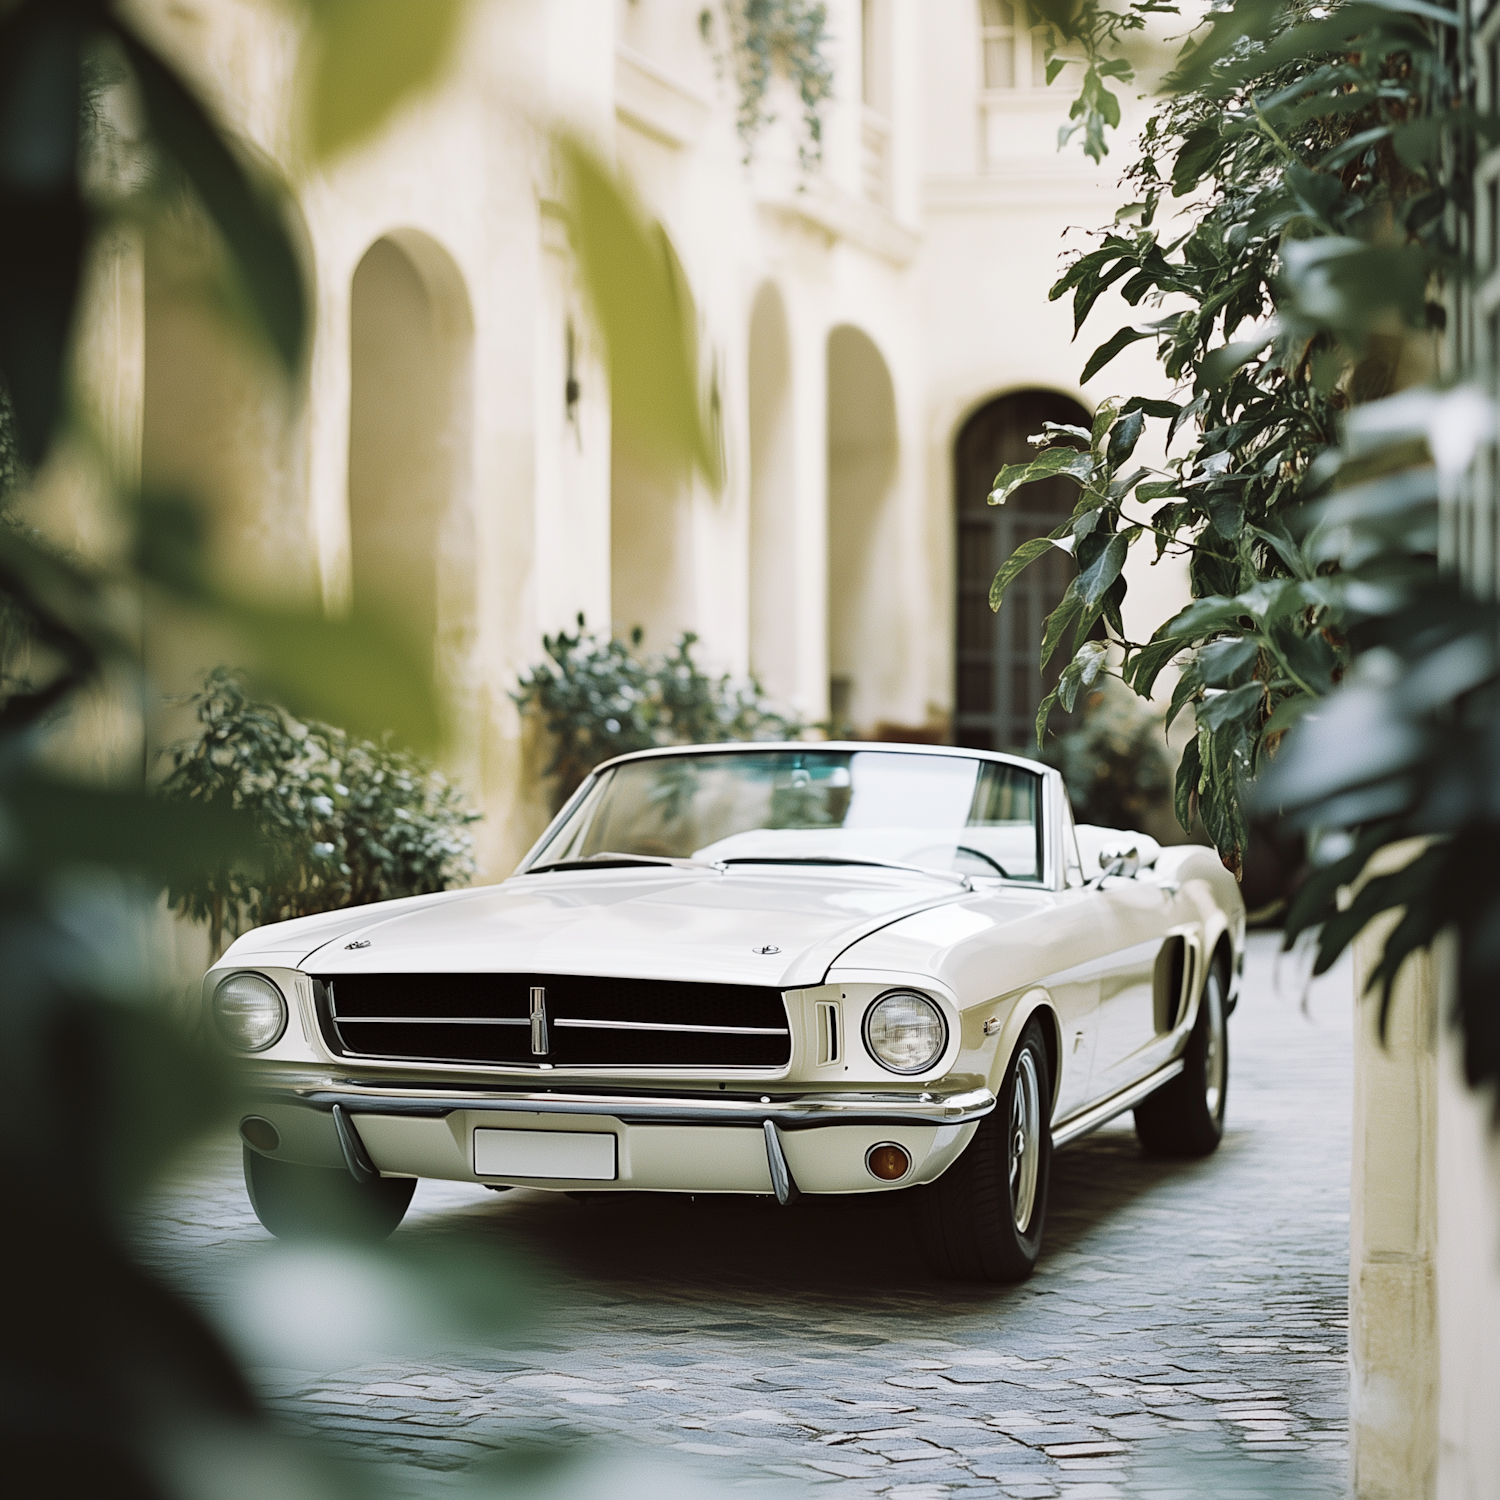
[(664, 1142), (789, 1112)]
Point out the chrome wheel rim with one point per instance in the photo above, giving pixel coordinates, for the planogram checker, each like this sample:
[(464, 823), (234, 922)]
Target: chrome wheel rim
[(1213, 1052), (1025, 1139)]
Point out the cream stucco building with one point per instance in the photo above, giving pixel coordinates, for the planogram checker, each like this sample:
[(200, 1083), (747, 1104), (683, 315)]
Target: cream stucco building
[(451, 445)]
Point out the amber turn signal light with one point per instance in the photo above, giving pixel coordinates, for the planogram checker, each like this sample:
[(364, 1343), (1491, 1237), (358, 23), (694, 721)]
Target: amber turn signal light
[(890, 1163), (260, 1133)]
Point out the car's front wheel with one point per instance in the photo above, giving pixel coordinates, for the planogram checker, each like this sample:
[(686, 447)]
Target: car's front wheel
[(982, 1220), (1186, 1117), (296, 1202)]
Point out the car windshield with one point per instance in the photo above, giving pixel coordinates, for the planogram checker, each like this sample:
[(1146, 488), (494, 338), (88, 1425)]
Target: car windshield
[(953, 812)]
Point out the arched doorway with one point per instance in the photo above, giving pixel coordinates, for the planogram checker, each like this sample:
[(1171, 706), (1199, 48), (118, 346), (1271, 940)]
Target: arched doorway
[(999, 686), (866, 642), (411, 521), (773, 586)]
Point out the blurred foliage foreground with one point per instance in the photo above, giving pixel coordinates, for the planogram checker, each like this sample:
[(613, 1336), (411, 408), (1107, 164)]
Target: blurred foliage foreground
[(113, 1384)]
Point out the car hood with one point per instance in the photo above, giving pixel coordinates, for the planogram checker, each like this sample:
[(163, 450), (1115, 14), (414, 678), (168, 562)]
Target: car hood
[(647, 924)]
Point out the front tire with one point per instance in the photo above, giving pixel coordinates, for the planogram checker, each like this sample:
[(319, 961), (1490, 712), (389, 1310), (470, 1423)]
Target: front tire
[(982, 1220), (300, 1203), (1185, 1118)]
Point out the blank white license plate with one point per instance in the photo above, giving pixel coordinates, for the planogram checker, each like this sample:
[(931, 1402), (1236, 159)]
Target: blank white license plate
[(545, 1153)]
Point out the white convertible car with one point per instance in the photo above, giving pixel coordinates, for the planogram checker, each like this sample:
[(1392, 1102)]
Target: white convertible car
[(760, 969)]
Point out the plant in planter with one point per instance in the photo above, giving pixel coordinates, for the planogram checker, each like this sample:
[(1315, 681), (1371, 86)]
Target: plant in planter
[(346, 821), (599, 696)]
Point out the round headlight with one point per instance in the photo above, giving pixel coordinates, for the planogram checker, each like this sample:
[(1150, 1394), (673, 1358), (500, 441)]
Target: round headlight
[(249, 1011), (905, 1032)]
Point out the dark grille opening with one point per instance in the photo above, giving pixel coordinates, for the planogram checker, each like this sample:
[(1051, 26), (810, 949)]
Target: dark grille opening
[(486, 1018)]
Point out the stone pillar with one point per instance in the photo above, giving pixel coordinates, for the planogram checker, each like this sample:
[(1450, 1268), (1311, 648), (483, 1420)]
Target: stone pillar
[(1467, 1275), (1393, 1233)]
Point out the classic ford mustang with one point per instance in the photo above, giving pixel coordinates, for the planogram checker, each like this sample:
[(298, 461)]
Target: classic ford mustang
[(760, 969)]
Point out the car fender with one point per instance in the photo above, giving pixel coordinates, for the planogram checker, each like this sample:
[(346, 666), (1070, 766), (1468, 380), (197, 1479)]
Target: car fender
[(1022, 1008)]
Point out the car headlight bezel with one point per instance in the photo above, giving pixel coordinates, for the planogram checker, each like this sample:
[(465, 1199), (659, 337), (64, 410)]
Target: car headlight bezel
[(275, 1013), (877, 1026)]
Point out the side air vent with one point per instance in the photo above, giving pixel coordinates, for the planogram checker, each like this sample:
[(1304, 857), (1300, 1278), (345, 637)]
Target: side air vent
[(1173, 977), (830, 1042)]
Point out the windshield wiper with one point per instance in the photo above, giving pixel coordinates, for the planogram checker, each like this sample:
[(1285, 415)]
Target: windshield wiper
[(839, 859), (609, 860)]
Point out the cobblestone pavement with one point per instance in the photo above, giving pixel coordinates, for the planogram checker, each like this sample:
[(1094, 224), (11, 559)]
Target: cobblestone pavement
[(1184, 1335)]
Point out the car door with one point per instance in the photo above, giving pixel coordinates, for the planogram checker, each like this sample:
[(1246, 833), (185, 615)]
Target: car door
[(1138, 912)]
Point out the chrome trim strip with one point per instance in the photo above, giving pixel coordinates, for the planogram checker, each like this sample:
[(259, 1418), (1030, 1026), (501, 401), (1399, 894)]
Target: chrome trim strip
[(789, 1114), (434, 1020), (667, 1026), (1102, 1114), (526, 1021)]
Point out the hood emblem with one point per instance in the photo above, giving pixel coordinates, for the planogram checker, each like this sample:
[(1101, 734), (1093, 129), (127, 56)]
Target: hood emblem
[(768, 948), (358, 943)]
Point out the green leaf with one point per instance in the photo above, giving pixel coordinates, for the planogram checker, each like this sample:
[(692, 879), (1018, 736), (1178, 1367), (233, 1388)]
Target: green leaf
[(1068, 609), (1081, 672), (1043, 713), (1234, 707), (1200, 617), (360, 673), (1288, 711), (368, 56), (45, 225), (1103, 571), (1111, 347), (1185, 787), (1053, 463), (1054, 67), (1151, 407), (249, 213), (1220, 661), (56, 825), (1123, 437), (1156, 489), (1146, 665), (1024, 555), (1200, 151), (645, 312)]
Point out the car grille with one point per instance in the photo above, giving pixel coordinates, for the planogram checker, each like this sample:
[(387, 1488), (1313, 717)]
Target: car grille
[(566, 1020)]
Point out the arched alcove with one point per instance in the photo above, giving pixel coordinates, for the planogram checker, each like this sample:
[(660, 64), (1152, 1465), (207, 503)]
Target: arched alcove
[(999, 685), (650, 543), (773, 592), (411, 523), (865, 645)]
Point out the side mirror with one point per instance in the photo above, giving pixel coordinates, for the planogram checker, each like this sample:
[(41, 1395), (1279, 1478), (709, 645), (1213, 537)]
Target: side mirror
[(1123, 860)]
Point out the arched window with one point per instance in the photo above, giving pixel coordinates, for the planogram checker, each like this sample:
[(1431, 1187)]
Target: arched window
[(999, 686), (1012, 46)]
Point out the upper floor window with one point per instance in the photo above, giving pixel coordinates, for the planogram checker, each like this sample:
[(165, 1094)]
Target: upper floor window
[(1013, 45)]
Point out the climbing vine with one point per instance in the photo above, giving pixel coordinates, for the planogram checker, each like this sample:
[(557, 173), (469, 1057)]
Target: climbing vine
[(767, 36)]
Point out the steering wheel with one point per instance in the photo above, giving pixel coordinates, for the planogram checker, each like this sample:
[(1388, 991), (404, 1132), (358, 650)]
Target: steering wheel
[(994, 864)]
